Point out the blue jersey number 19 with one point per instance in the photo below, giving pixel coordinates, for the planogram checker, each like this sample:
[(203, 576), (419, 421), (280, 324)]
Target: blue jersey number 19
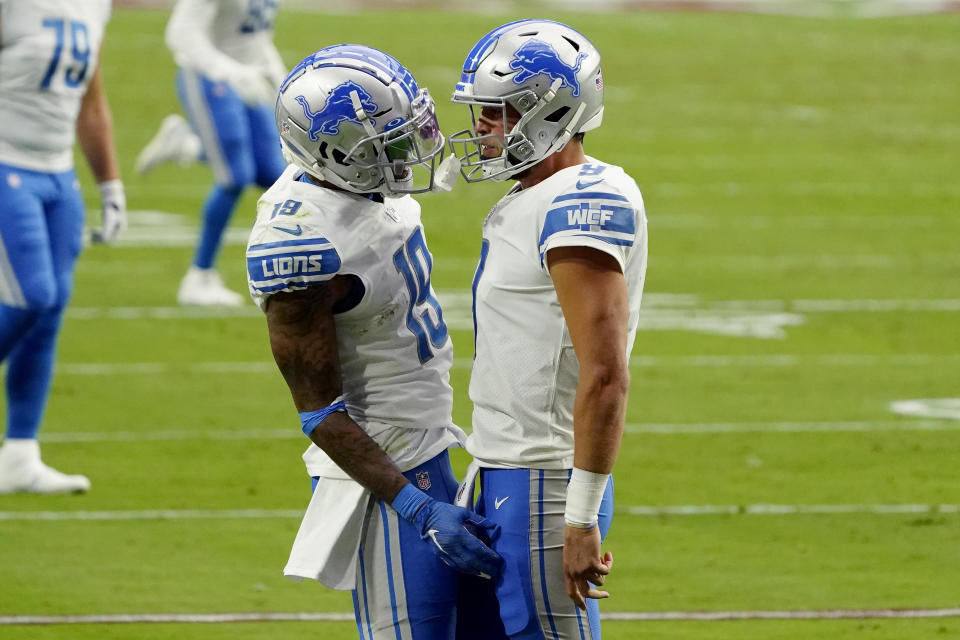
[(410, 261)]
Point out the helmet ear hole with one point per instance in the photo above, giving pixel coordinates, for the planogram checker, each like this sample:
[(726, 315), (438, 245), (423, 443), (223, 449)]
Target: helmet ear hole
[(339, 157)]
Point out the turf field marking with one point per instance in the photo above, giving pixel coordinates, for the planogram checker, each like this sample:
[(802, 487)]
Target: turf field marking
[(457, 305), (637, 362), (152, 514), (651, 428), (634, 510), (700, 222), (928, 408), (613, 616), (669, 428), (786, 509), (161, 313)]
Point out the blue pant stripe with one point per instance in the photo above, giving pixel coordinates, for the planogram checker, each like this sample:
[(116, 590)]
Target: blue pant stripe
[(366, 607), (10, 292), (386, 546), (580, 622), (543, 569), (356, 614)]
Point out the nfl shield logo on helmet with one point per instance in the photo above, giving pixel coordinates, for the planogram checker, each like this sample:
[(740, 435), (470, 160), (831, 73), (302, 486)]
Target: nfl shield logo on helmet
[(423, 480)]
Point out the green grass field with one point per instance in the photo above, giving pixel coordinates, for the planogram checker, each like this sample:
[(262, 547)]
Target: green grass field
[(800, 178)]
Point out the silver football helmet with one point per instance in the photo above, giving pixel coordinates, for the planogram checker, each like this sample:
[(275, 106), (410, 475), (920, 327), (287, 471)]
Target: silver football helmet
[(549, 73), (355, 117)]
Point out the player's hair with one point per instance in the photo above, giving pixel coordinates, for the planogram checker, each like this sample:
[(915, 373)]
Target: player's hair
[(578, 137)]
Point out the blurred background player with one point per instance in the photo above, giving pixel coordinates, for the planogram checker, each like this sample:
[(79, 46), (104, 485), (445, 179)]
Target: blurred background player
[(556, 298), (227, 81), (339, 264), (51, 92)]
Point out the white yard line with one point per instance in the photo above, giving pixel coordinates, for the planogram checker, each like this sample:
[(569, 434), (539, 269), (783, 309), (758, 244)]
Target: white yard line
[(786, 509), (613, 616), (835, 426), (651, 428), (638, 362), (634, 510), (456, 300), (152, 514)]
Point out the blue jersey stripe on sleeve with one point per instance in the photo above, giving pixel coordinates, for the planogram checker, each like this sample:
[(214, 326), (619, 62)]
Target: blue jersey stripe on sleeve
[(583, 216), (292, 266), (287, 243)]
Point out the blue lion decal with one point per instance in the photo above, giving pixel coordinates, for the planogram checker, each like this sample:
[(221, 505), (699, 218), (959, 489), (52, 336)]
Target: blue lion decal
[(537, 57), (338, 108)]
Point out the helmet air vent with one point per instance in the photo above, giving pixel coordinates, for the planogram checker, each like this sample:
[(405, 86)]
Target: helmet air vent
[(556, 115)]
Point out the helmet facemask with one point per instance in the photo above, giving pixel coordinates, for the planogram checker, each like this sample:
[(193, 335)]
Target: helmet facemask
[(405, 154), (519, 150)]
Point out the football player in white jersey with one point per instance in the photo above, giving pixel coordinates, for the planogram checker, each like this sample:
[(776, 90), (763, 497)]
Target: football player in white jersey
[(556, 298), (229, 73), (51, 92), (338, 262)]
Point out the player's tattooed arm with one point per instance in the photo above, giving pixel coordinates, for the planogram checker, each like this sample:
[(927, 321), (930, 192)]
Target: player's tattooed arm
[(303, 338)]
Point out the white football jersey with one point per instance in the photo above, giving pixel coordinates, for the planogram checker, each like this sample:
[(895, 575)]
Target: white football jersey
[(525, 372), (395, 351), (212, 36), (49, 50)]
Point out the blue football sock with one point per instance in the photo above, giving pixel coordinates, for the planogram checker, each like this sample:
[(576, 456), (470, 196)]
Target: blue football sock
[(216, 214)]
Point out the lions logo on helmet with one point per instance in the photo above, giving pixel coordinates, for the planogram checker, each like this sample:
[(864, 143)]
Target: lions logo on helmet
[(536, 57), (338, 108)]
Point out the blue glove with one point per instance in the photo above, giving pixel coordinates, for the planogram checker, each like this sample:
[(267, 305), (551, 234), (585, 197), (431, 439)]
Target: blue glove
[(451, 532)]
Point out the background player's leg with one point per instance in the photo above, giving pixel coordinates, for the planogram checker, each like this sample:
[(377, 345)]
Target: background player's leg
[(30, 366), (30, 361), (27, 285), (219, 118), (266, 145)]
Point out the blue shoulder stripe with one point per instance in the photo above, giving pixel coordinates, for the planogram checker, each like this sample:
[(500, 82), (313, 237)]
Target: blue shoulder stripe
[(591, 195)]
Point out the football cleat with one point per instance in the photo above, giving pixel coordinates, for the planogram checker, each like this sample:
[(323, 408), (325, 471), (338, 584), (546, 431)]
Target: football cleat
[(175, 141), (22, 471), (204, 287)]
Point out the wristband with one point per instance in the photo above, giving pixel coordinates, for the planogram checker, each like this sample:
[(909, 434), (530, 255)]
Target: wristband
[(584, 495), (310, 419), (408, 502), (111, 190)]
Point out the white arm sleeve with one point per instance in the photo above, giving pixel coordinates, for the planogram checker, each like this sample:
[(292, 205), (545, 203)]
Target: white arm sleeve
[(187, 36)]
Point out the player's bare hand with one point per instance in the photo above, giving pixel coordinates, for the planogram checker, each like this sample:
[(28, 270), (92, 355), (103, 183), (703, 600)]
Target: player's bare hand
[(584, 565)]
